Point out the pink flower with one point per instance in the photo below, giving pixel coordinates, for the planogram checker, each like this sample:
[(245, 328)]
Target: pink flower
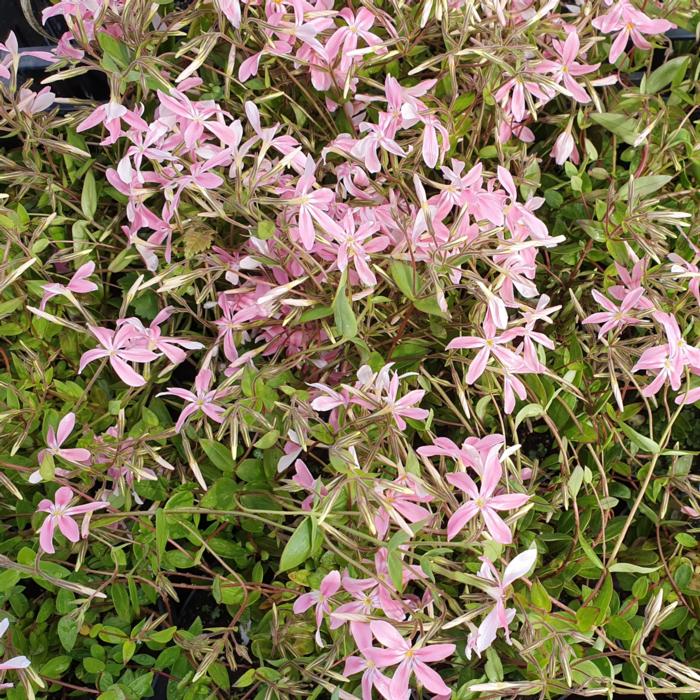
[(312, 207), (320, 599), (16, 662), (688, 269), (405, 406), (483, 502), (411, 660), (380, 135), (489, 345), (231, 9), (357, 244), (631, 282), (565, 148), (203, 399), (54, 440), (374, 593), (511, 96), (401, 505), (344, 40), (60, 515), (110, 114), (615, 317), (78, 284), (631, 23), (305, 479), (566, 66), (669, 359), (11, 48), (499, 617), (118, 346), (152, 337), (372, 677), (31, 102)]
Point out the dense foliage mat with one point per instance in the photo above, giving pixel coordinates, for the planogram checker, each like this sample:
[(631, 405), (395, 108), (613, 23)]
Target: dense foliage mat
[(350, 350)]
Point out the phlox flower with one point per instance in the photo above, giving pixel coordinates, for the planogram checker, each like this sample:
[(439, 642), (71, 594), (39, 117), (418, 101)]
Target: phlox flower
[(16, 662), (110, 115), (519, 219), (381, 135), (688, 268), (385, 397), (632, 281), (356, 244), (631, 23), (400, 503), (668, 359), (512, 96), (312, 206), (203, 399), (319, 600), (31, 102), (483, 502), (78, 284), (345, 39), (372, 676), (231, 10), (303, 477), (60, 514), (615, 317), (412, 660), (499, 617), (490, 344), (565, 67), (118, 347), (54, 442), (565, 148), (151, 337)]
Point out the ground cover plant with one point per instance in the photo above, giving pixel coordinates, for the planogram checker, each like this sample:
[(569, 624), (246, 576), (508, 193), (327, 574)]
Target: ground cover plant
[(351, 350)]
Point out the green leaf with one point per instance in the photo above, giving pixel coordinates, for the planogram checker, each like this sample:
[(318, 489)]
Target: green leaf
[(161, 532), (55, 667), (644, 186), (586, 617), (246, 680), (395, 566), (641, 441), (8, 579), (128, 649), (619, 628), (686, 540), (267, 440), (573, 485), (589, 552), (619, 124), (115, 51), (540, 597), (405, 278), (668, 72), (532, 410), (88, 199), (219, 455), (622, 568), (345, 320), (265, 230), (120, 598), (67, 632), (298, 548)]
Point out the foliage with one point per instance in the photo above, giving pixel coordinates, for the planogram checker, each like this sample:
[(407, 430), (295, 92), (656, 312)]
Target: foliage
[(348, 350)]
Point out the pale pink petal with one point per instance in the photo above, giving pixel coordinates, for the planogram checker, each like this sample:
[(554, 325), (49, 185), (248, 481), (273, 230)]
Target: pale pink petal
[(68, 527), (519, 566), (46, 534), (460, 518)]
